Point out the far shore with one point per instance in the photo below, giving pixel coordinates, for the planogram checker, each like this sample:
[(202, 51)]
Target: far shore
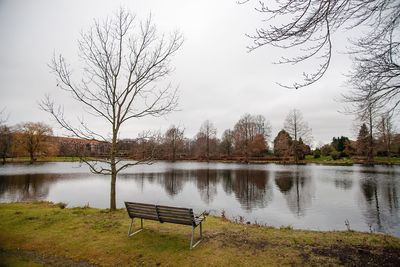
[(309, 160)]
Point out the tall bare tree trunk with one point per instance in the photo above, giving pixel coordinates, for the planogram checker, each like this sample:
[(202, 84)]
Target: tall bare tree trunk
[(370, 139), (122, 59), (113, 205)]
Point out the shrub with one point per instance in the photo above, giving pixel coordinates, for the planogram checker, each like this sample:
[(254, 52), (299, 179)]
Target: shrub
[(62, 205), (317, 153), (326, 150), (335, 155)]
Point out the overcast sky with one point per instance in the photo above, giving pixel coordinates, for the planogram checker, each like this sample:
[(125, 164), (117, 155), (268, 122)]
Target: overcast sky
[(218, 79)]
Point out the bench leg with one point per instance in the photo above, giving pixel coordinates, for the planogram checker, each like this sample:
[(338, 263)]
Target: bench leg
[(130, 228), (201, 236)]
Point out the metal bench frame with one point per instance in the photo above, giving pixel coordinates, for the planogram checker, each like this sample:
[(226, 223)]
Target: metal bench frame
[(164, 214)]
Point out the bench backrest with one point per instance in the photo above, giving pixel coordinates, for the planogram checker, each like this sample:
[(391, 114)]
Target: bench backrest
[(160, 213), (141, 210), (175, 215)]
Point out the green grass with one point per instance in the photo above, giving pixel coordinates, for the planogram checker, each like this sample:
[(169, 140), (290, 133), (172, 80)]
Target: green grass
[(327, 160), (388, 160), (42, 233)]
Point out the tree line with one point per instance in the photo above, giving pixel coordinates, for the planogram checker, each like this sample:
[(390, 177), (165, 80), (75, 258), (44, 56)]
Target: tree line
[(249, 139)]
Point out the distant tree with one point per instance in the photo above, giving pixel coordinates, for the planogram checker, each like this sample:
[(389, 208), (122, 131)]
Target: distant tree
[(363, 146), (5, 142), (146, 146), (3, 117), (123, 62), (385, 130), (33, 136), (227, 141), (297, 128), (282, 144), (258, 146), (246, 130), (300, 150), (326, 150), (173, 140), (317, 153), (206, 138), (339, 144)]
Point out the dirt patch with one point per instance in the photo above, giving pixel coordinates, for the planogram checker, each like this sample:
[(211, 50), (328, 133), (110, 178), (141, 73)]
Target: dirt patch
[(238, 240), (346, 255), (360, 255), (46, 260)]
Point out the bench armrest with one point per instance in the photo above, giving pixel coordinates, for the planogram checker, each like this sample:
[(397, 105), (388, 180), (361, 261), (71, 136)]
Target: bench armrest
[(201, 215)]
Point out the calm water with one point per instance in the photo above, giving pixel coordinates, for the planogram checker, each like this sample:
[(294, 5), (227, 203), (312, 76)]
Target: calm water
[(308, 197)]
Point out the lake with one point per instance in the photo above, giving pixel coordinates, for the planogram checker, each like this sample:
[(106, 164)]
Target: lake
[(305, 196)]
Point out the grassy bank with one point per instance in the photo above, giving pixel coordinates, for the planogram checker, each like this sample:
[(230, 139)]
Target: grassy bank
[(348, 161), (38, 234)]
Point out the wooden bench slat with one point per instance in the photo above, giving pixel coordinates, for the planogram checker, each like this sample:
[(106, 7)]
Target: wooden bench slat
[(140, 204), (175, 213), (172, 220), (145, 216), (172, 208), (145, 213), (153, 210), (132, 206), (175, 217)]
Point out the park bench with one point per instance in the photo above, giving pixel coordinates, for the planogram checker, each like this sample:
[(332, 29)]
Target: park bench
[(164, 214)]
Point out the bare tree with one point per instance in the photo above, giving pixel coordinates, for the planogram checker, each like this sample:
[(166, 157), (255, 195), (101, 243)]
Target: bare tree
[(5, 142), (298, 129), (385, 129), (123, 61), (174, 138), (227, 140), (247, 129), (207, 134), (3, 116), (5, 137), (296, 126), (33, 136), (367, 113), (307, 26), (375, 78)]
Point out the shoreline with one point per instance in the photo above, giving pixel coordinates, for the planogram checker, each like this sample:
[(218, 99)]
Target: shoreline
[(349, 162)]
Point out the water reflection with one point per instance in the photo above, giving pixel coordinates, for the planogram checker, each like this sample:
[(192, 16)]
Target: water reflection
[(251, 188), (343, 183), (26, 187), (206, 181), (297, 189), (381, 202), (313, 197)]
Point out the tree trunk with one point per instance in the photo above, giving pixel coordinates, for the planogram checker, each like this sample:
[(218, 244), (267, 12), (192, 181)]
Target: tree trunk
[(31, 157), (370, 141), (208, 147), (113, 205)]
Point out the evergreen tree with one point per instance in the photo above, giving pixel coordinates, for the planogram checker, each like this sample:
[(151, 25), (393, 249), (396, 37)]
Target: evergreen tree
[(363, 141)]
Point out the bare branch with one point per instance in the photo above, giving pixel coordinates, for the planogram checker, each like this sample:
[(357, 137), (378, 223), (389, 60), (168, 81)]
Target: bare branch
[(123, 61)]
